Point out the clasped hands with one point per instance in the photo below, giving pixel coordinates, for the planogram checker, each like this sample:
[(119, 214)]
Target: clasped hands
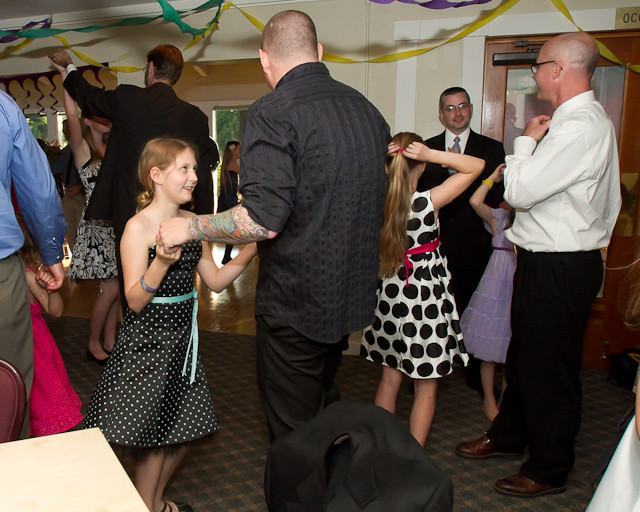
[(172, 234)]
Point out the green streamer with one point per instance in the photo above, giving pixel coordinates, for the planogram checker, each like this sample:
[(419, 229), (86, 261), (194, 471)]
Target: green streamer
[(168, 14)]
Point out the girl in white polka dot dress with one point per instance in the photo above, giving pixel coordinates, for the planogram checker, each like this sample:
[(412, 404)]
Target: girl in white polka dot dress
[(416, 328), (153, 394)]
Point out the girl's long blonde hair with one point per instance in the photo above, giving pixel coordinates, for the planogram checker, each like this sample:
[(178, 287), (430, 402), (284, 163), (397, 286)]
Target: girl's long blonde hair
[(161, 153), (393, 237)]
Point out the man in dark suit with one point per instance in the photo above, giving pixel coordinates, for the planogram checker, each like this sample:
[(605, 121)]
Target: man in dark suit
[(139, 115), (466, 243)]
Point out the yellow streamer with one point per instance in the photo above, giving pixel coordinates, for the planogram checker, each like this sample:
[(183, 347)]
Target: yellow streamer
[(199, 38), (394, 57), (498, 11), (93, 62), (15, 48), (604, 51), (328, 57)]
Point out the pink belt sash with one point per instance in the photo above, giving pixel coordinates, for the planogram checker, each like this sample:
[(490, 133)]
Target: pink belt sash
[(428, 247), (508, 249)]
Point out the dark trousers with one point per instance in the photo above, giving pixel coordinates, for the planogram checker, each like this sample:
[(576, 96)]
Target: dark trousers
[(295, 374), (541, 408)]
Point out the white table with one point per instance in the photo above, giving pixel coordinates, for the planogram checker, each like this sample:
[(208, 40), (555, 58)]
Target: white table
[(71, 472)]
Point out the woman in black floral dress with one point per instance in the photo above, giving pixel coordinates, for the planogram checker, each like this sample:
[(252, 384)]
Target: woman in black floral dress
[(94, 251)]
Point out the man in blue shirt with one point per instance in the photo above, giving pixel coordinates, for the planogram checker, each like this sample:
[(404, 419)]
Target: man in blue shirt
[(24, 164)]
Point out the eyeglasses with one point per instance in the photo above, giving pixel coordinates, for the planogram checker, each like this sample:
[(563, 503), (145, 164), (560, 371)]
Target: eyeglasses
[(452, 108), (534, 67)]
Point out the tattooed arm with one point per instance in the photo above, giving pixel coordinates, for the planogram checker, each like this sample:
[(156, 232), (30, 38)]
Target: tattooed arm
[(233, 226)]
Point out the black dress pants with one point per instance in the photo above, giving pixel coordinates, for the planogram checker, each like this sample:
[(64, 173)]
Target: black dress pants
[(295, 374), (541, 408)]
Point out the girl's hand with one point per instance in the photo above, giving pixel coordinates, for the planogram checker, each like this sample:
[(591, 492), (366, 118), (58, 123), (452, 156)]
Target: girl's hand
[(44, 278), (418, 151), (498, 175), (167, 256), (392, 149)]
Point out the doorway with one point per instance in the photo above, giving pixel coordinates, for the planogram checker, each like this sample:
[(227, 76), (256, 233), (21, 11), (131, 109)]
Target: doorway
[(509, 101)]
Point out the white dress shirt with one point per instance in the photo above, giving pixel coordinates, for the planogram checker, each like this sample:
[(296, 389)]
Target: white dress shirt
[(566, 191)]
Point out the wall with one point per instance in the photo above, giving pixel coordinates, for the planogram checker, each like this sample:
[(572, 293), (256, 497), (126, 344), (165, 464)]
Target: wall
[(355, 29)]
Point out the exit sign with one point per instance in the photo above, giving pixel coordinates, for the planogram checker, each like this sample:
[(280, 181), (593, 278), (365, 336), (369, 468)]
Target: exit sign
[(627, 17)]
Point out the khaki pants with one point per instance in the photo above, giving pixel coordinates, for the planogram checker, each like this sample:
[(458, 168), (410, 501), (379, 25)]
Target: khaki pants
[(16, 333)]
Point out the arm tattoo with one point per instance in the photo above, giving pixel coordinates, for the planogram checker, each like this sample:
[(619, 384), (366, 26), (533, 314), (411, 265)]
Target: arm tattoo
[(233, 226)]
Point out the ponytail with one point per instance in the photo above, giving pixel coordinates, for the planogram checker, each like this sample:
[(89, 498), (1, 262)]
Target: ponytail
[(393, 237)]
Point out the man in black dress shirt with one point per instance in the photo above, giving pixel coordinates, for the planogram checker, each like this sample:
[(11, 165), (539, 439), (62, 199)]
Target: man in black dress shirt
[(313, 182), (465, 241), (139, 115)]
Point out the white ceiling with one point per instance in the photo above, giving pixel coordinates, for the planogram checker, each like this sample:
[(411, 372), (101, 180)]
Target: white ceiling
[(12, 9), (16, 13)]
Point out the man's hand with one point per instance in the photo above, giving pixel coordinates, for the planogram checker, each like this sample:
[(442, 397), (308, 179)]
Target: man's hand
[(174, 232), (46, 272), (60, 60), (537, 127), (167, 255)]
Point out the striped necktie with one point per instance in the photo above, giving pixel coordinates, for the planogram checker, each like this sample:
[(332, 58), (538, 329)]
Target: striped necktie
[(455, 149)]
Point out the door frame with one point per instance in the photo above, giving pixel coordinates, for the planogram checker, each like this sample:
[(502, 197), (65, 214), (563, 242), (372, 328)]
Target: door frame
[(606, 332)]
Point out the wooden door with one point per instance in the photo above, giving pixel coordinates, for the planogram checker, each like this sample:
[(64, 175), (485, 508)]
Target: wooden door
[(619, 91)]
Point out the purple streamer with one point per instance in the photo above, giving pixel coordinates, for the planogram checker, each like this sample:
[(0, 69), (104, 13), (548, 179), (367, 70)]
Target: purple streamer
[(46, 23), (435, 4)]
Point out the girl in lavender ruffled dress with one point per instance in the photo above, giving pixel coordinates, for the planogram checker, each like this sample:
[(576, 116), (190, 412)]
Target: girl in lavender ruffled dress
[(486, 324)]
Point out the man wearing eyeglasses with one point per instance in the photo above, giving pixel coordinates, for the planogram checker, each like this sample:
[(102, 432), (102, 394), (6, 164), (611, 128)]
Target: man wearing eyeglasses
[(466, 242), (563, 180)]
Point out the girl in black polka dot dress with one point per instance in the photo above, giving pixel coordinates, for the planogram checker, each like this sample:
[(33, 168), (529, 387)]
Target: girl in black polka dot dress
[(416, 328), (153, 394)]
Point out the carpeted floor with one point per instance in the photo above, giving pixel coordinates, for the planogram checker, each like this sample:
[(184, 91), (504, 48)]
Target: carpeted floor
[(223, 473)]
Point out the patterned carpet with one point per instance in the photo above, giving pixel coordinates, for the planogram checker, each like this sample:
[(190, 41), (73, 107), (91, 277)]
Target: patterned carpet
[(223, 473)]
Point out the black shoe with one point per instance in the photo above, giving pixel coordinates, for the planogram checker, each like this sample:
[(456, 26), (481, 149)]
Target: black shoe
[(91, 357)]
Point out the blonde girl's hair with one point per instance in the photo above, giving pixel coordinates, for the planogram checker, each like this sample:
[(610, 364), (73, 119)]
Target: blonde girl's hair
[(161, 153), (225, 180), (29, 251), (393, 236)]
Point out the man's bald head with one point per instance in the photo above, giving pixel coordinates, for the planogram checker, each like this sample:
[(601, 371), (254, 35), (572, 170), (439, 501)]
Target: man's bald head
[(575, 49), (290, 36)]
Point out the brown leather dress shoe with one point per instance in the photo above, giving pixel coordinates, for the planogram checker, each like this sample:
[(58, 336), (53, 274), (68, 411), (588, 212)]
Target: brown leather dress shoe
[(523, 487), (482, 448)]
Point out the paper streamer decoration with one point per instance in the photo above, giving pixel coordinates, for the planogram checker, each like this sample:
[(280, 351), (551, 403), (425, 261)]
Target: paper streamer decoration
[(435, 4), (46, 23), (170, 15)]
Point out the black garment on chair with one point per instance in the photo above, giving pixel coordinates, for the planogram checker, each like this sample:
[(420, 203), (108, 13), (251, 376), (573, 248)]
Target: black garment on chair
[(351, 456)]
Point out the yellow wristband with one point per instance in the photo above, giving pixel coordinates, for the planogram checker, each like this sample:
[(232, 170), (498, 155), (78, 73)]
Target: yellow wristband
[(488, 183)]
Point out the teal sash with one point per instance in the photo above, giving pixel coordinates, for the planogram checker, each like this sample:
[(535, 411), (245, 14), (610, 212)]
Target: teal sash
[(193, 338)]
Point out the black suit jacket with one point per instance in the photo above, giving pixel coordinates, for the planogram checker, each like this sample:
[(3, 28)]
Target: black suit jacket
[(354, 456), (465, 241), (139, 115)]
